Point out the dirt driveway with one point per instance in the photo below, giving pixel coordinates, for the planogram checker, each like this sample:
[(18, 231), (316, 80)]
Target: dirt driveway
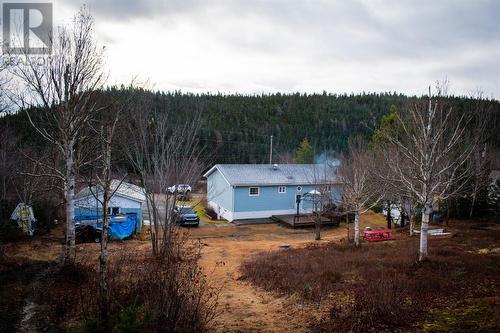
[(243, 307)]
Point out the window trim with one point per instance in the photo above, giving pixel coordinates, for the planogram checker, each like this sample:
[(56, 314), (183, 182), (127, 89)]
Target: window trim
[(250, 191), (282, 187)]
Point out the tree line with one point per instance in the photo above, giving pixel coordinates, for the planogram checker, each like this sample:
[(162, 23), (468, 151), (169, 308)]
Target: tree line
[(237, 128)]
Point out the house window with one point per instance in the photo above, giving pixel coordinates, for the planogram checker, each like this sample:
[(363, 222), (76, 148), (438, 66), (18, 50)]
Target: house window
[(299, 188), (281, 189), (253, 191), (328, 188), (113, 210)]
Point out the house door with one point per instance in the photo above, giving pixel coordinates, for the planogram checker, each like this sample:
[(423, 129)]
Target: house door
[(298, 199)]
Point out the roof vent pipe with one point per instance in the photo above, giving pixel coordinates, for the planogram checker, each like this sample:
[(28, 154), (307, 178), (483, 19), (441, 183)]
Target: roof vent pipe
[(275, 166)]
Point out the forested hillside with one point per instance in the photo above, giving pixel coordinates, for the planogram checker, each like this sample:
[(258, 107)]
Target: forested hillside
[(240, 126), (237, 128)]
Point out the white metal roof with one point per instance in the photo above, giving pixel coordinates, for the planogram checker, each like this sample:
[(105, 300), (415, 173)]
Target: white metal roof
[(283, 174), (125, 189)]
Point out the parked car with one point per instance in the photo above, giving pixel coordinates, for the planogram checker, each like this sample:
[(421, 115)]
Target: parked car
[(180, 189), (87, 234), (186, 216)]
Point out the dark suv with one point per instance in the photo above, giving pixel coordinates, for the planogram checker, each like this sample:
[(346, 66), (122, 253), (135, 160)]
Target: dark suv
[(186, 216)]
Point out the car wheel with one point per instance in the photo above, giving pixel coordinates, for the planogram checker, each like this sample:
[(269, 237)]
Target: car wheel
[(97, 239)]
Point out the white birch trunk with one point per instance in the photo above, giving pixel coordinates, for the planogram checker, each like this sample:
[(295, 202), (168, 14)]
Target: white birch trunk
[(424, 231), (103, 280), (356, 228), (70, 203), (317, 224)]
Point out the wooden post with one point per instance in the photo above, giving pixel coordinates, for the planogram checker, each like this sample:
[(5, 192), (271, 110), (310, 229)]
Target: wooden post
[(389, 217), (347, 224)]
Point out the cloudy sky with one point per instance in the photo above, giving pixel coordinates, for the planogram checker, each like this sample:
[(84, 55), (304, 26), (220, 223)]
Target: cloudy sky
[(306, 46)]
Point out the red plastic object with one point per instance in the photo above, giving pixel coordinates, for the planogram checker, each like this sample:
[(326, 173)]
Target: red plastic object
[(377, 235)]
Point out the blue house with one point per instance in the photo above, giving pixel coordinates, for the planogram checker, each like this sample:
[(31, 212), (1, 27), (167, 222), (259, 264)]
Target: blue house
[(247, 191)]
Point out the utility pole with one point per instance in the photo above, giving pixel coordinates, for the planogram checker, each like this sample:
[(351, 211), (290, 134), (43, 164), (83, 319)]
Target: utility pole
[(271, 152)]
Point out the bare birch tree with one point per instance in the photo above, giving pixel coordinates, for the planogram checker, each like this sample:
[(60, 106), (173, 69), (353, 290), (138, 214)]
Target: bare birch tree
[(103, 128), (360, 189), (394, 191), (325, 197), (163, 153), (64, 86), (429, 158)]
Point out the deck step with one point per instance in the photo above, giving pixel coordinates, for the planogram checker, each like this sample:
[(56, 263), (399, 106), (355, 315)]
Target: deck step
[(304, 220)]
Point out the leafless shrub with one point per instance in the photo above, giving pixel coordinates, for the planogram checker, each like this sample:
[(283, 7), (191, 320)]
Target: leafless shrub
[(167, 293), (361, 190), (70, 293), (162, 155)]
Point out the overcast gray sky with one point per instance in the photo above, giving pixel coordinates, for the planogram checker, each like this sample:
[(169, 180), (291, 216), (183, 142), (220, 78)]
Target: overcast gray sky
[(305, 46)]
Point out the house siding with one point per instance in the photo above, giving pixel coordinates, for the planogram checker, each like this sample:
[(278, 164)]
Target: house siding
[(269, 199), (235, 202), (220, 195), (89, 206)]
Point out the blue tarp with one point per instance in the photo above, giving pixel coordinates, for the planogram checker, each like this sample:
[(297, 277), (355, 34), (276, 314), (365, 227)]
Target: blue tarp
[(121, 230), (120, 226)]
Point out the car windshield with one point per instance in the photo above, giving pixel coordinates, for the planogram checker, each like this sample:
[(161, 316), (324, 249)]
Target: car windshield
[(186, 210)]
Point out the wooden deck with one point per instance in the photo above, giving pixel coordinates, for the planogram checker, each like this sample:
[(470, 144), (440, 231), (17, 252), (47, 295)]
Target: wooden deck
[(302, 220)]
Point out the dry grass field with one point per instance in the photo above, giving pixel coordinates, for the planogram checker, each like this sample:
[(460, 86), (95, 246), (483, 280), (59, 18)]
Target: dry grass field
[(239, 261)]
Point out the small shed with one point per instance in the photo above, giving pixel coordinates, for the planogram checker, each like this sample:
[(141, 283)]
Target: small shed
[(127, 199)]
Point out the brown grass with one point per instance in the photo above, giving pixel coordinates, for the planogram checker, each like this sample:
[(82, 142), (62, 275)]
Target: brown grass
[(148, 294), (247, 307), (382, 286)]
